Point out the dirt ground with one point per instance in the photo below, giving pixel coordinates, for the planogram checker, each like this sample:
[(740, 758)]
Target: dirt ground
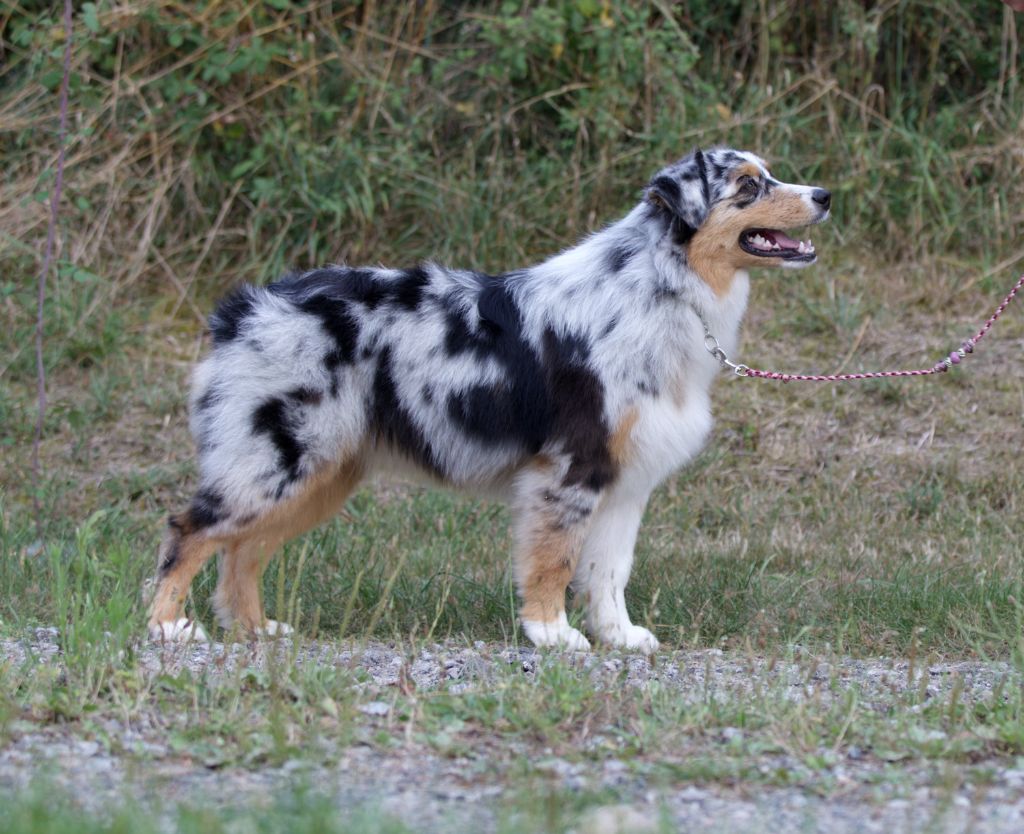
[(434, 792)]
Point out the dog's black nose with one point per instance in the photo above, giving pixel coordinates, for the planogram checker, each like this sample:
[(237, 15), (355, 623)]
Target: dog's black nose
[(822, 197)]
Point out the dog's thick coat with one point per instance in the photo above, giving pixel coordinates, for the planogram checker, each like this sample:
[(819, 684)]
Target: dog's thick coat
[(570, 388)]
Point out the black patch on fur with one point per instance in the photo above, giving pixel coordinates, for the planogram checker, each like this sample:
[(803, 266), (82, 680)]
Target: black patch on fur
[(577, 406), (705, 187), (647, 387), (408, 290), (393, 421), (274, 419), (206, 509), (613, 322), (663, 292), (329, 293), (618, 257), (232, 311), (173, 551), (550, 396), (208, 399), (338, 323), (516, 410), (668, 190), (499, 330), (363, 286), (669, 206), (305, 395)]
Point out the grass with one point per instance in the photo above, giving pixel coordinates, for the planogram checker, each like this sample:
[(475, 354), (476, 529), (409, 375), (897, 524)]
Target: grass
[(871, 517), (820, 523)]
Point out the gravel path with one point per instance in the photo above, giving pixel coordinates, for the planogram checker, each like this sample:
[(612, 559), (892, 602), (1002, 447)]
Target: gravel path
[(434, 793)]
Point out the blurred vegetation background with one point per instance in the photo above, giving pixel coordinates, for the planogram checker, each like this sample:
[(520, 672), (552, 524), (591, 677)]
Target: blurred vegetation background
[(212, 142), (222, 141)]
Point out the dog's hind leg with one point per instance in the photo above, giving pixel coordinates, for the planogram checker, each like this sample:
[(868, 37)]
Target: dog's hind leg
[(184, 551), (551, 522), (238, 599)]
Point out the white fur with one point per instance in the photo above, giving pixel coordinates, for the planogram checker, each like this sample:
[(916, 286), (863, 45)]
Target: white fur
[(556, 634), (623, 307), (179, 631)]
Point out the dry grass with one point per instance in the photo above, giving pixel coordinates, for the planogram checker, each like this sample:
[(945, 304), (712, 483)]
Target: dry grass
[(368, 135)]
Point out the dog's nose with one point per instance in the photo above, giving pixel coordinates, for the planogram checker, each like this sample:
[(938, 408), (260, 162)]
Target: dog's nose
[(822, 197)]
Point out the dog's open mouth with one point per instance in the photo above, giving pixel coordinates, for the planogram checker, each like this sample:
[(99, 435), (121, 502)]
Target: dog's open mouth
[(773, 243)]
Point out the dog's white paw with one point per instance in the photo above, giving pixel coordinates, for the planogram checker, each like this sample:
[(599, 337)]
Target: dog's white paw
[(273, 628), (631, 637), (556, 634), (625, 635), (183, 630)]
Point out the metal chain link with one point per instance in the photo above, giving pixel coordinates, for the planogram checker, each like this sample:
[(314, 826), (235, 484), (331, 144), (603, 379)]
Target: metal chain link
[(955, 357)]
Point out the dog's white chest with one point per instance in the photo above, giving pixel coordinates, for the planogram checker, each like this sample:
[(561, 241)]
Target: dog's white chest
[(668, 435)]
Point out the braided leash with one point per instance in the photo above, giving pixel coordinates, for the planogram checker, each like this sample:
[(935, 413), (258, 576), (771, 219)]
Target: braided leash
[(955, 357)]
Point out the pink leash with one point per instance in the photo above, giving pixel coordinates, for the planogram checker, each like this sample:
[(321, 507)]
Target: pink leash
[(954, 358)]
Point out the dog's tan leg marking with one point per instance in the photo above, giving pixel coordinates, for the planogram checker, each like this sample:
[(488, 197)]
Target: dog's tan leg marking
[(550, 525), (551, 559), (238, 598), (191, 549)]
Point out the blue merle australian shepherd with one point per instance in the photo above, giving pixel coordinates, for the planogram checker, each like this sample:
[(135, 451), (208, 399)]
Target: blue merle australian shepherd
[(569, 389)]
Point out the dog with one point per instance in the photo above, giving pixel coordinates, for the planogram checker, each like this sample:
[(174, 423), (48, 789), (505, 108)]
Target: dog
[(569, 389)]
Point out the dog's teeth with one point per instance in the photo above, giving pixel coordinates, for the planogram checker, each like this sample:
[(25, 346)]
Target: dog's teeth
[(800, 247), (776, 246)]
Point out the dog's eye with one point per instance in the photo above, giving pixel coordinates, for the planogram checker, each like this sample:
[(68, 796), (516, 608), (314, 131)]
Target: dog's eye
[(747, 184)]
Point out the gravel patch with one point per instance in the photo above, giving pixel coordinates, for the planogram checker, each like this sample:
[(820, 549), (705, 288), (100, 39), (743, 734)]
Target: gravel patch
[(430, 792)]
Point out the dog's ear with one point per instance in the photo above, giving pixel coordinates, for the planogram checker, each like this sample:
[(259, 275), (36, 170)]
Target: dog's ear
[(682, 192)]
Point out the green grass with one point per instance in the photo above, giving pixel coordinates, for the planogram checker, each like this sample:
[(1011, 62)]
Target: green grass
[(301, 812), (821, 522)]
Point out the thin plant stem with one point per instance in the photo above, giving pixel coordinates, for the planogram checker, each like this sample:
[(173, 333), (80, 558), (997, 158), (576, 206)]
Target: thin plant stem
[(51, 231)]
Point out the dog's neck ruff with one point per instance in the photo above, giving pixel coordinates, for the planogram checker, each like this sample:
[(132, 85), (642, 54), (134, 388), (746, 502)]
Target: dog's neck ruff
[(955, 357)]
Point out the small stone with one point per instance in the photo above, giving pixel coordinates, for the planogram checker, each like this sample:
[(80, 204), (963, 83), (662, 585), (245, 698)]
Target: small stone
[(617, 819), (732, 733), (375, 708)]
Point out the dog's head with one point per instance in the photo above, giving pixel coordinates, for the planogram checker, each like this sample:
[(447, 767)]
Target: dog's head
[(728, 212)]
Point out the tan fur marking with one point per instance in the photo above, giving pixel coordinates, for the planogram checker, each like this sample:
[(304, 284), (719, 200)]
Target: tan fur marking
[(169, 597), (551, 562), (248, 551), (748, 169), (620, 443), (714, 251), (239, 597), (542, 463)]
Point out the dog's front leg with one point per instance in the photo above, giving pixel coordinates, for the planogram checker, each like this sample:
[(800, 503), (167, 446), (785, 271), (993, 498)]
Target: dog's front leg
[(604, 570), (551, 522)]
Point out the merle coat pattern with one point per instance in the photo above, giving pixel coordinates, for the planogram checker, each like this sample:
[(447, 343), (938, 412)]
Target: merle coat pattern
[(570, 389)]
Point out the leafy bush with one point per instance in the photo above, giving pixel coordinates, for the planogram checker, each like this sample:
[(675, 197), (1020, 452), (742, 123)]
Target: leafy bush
[(214, 142)]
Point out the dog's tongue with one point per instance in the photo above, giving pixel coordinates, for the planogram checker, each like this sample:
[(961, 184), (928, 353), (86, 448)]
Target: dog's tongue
[(784, 240)]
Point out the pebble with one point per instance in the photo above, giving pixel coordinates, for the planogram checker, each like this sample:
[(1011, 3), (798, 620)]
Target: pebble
[(374, 708)]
